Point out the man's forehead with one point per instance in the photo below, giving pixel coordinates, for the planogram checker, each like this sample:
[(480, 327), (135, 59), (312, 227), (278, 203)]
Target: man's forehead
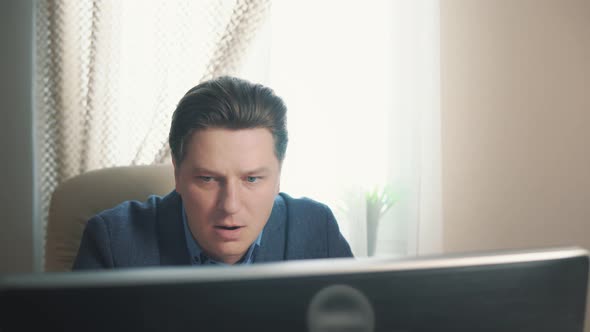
[(257, 143), (228, 131), (220, 137), (224, 151), (215, 171)]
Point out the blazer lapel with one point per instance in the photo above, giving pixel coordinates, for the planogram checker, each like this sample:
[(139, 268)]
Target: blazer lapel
[(173, 249), (272, 245)]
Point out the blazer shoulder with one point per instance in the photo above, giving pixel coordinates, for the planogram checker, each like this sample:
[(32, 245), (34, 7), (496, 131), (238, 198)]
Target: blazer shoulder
[(124, 213), (312, 230), (136, 213), (305, 207), (127, 233)]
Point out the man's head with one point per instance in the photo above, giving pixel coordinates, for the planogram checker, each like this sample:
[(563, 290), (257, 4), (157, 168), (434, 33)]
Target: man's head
[(231, 103), (228, 140)]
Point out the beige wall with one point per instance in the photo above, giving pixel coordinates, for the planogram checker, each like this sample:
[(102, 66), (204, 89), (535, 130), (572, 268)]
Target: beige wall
[(516, 123)]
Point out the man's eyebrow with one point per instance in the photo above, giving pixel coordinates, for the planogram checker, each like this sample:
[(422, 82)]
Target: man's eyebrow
[(258, 170), (204, 170)]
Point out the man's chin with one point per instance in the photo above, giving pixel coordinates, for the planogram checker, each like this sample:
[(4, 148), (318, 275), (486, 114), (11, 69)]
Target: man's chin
[(231, 254)]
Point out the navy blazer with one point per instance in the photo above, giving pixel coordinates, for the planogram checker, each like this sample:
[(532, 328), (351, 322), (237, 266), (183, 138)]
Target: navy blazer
[(151, 233)]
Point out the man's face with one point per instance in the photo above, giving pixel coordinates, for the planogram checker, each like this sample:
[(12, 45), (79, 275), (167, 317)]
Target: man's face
[(228, 181)]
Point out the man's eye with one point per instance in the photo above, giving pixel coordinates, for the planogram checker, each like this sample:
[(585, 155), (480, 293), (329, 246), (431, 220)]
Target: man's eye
[(252, 179), (205, 178)]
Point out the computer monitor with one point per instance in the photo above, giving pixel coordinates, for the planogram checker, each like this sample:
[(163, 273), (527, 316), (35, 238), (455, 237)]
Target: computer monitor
[(542, 290)]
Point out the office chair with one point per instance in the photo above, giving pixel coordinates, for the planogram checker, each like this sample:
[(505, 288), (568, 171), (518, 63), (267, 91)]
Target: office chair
[(76, 200)]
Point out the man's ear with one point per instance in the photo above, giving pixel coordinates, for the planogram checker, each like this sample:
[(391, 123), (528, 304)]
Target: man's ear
[(176, 174), (278, 189)]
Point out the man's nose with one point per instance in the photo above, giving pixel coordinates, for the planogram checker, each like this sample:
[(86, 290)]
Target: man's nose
[(230, 198)]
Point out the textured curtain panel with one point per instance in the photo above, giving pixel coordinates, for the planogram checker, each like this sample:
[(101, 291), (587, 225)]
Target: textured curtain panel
[(109, 75), (361, 80)]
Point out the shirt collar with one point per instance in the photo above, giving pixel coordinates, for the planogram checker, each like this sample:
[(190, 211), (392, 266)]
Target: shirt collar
[(198, 257)]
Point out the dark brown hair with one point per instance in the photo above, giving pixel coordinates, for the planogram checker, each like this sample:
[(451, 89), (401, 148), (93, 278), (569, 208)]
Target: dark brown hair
[(232, 103)]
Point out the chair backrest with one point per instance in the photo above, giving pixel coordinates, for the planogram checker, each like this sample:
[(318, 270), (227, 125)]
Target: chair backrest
[(78, 199)]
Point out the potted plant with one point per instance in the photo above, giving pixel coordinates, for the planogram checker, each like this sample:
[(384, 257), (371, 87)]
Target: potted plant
[(378, 202)]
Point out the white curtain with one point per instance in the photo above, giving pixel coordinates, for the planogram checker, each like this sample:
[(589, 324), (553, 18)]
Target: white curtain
[(110, 73), (361, 81)]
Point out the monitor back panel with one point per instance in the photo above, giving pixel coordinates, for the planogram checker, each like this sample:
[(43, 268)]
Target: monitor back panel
[(527, 296)]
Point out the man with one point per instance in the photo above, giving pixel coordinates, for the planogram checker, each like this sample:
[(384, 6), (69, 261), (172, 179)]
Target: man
[(228, 140)]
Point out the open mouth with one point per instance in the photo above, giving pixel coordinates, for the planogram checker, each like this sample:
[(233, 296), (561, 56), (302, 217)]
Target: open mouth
[(230, 228), (229, 233)]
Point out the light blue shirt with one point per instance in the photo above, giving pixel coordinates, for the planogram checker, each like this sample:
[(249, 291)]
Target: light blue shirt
[(198, 257)]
